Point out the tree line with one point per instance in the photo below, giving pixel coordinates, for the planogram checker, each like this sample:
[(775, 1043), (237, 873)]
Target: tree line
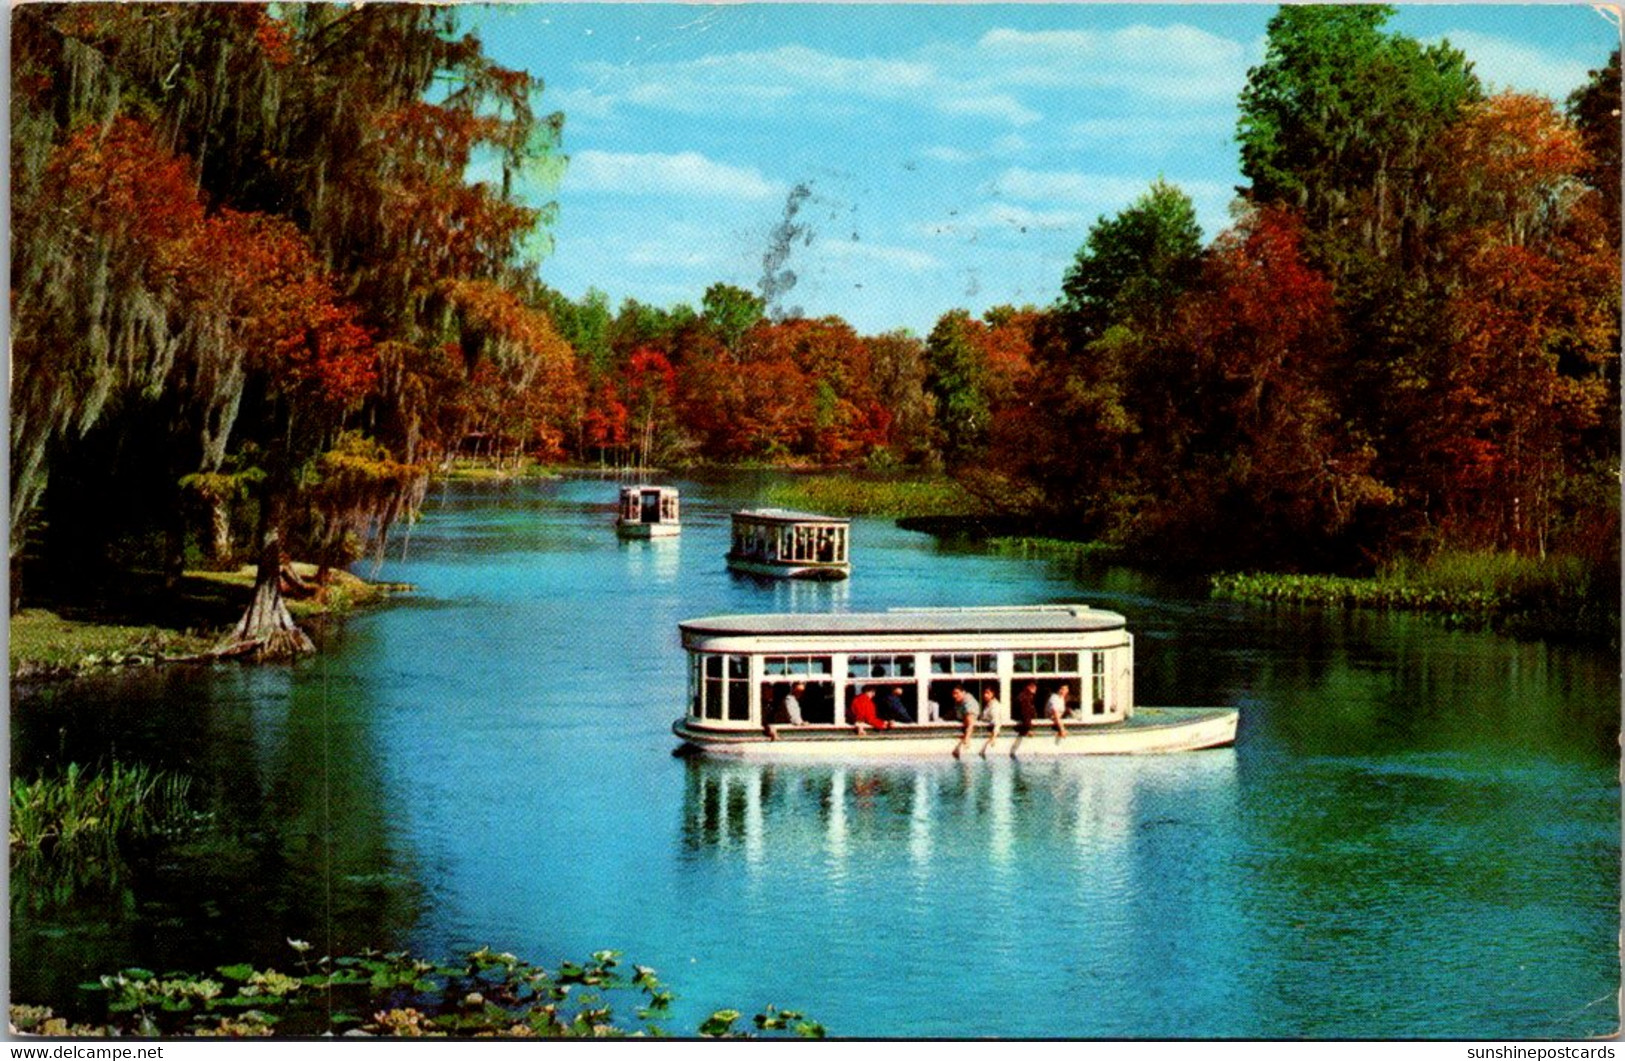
[(258, 298)]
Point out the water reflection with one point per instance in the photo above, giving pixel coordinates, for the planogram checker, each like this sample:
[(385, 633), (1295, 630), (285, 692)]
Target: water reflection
[(796, 594), (997, 810), (652, 559)]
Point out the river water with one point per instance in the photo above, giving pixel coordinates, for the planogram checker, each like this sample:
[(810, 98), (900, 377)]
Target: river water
[(1417, 833)]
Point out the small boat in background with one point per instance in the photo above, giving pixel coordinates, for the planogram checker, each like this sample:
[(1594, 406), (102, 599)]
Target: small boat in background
[(648, 512), (779, 543)]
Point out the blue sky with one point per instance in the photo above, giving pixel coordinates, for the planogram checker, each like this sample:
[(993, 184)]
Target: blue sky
[(954, 155)]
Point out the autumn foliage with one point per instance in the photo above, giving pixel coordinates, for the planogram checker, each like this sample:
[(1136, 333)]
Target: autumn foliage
[(248, 254)]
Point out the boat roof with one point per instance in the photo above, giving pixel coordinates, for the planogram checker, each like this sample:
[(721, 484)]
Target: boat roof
[(648, 486), (785, 515), (1047, 618)]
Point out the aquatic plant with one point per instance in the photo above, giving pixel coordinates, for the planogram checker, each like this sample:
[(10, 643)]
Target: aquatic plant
[(847, 495), (1053, 548), (81, 813), (485, 995), (1462, 586)]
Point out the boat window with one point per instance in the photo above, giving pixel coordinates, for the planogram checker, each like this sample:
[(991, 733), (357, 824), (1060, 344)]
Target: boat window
[(721, 686), (965, 663), (713, 686), (739, 688), (1045, 662), (797, 665), (880, 666), (1097, 682), (817, 699)]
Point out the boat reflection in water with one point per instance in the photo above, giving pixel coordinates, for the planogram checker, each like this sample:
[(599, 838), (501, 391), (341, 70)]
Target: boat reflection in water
[(652, 559), (993, 812)]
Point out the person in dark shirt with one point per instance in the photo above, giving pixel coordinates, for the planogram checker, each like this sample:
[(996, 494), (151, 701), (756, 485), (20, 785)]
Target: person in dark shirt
[(1026, 708), (892, 708)]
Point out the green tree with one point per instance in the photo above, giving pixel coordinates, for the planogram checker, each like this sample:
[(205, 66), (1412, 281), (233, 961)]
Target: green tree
[(1342, 123), (956, 376), (1134, 264), (730, 312)]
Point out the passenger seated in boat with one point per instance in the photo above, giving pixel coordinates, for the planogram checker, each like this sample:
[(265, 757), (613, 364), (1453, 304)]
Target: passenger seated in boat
[(991, 710), (863, 711), (1026, 708), (892, 708), (789, 712), (1055, 708), (965, 704)]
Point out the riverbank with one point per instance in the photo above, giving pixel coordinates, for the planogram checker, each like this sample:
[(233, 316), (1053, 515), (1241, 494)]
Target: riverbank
[(1554, 595), (63, 641), (853, 494)]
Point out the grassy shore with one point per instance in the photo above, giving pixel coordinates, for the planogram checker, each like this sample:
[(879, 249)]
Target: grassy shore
[(1561, 594), (61, 642), (480, 470), (1053, 549), (845, 494)]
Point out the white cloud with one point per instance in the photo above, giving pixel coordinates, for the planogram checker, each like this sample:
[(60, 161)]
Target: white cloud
[(904, 258), (1175, 62), (1089, 189), (664, 256), (760, 79), (578, 102), (1003, 217), (688, 173), (1002, 107), (1501, 63)]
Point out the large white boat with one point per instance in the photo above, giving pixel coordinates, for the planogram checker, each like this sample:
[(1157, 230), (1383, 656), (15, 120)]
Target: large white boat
[(784, 686), (779, 543), (648, 512)]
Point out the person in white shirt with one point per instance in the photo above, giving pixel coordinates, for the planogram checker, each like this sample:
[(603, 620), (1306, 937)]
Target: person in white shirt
[(1055, 708), (789, 709), (991, 712)]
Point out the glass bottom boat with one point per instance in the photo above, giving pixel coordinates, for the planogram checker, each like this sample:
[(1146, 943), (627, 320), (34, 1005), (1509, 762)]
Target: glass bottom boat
[(647, 512), (1034, 681), (777, 543)]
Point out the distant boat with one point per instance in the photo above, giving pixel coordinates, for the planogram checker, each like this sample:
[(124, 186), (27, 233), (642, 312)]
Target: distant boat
[(927, 666), (648, 512), (783, 544)]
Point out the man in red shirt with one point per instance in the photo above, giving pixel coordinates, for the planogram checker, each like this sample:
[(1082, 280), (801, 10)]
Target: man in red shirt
[(863, 712)]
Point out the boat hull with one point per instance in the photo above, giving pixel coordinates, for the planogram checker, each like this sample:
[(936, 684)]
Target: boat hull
[(630, 529), (818, 572), (1152, 730)]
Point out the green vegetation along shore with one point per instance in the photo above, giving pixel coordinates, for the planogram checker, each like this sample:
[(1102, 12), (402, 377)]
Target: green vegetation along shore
[(1552, 595), (843, 494)]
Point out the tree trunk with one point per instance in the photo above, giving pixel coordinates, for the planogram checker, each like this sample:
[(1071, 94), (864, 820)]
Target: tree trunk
[(220, 531), (266, 630)]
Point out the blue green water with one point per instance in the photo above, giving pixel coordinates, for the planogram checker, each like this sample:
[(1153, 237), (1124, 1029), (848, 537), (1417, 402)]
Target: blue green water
[(1417, 833)]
